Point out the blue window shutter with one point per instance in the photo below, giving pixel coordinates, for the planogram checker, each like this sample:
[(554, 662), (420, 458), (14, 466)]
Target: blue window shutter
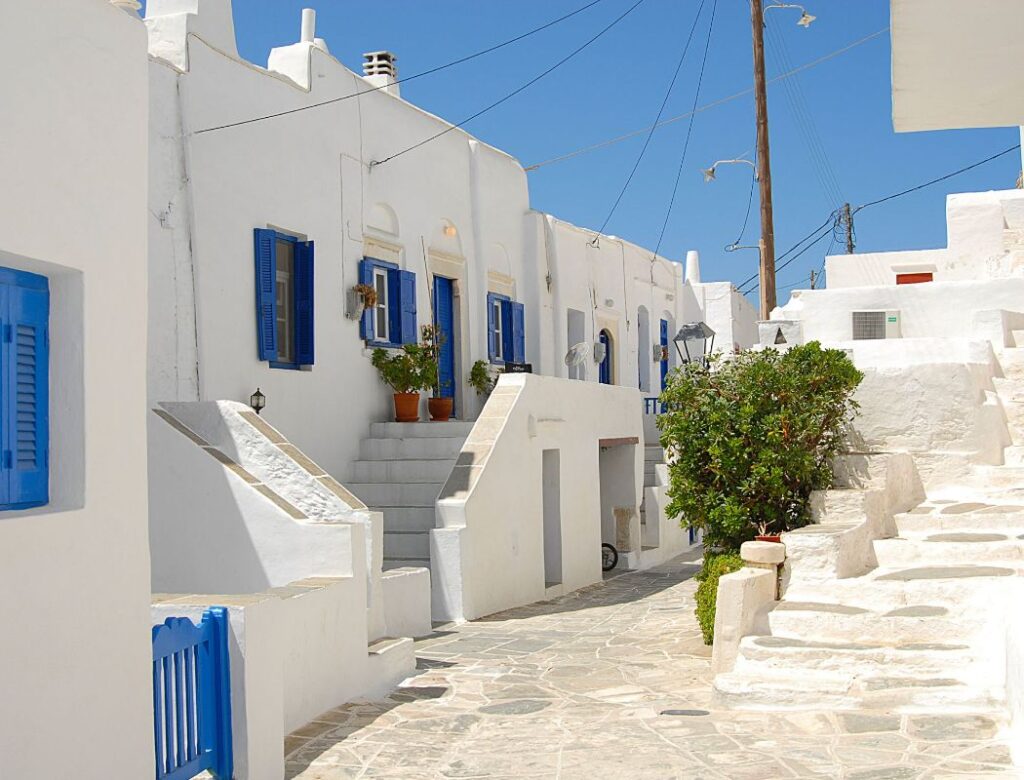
[(266, 298), (304, 303), (507, 346), (26, 405), (407, 307), (366, 325), (518, 334), (492, 329)]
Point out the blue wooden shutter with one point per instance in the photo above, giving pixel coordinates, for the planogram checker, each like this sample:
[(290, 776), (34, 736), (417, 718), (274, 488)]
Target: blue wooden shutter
[(266, 298), (26, 405), (518, 334), (492, 329), (507, 346), (407, 309), (366, 325), (304, 303)]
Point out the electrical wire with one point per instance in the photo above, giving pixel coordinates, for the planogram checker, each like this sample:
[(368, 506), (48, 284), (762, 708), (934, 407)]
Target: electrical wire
[(421, 74), (706, 106), (746, 216), (689, 128), (514, 92), (833, 218), (661, 110)]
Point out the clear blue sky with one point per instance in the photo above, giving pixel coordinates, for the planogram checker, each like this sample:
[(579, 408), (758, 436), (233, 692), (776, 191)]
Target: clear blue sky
[(616, 86)]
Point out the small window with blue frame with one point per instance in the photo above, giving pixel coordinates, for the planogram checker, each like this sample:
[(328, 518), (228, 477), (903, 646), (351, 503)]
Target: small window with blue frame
[(392, 321), (284, 299), (506, 338)]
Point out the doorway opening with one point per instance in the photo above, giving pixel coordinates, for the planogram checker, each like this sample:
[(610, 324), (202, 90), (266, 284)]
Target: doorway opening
[(604, 371), (620, 516), (552, 507), (444, 325)]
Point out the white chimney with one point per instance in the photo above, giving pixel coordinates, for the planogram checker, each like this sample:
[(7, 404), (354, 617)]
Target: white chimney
[(380, 70), (308, 25), (693, 267)]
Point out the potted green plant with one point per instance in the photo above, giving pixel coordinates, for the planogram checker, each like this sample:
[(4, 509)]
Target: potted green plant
[(439, 406), (401, 371), (480, 378)]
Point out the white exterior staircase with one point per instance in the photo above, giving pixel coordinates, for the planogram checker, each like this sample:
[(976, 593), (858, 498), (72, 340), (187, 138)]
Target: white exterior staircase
[(400, 472), (898, 608)]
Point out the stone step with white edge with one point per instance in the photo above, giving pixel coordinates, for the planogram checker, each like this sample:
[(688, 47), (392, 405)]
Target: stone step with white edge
[(966, 516), (949, 547), (389, 494), (799, 689), (402, 471), (821, 621), (396, 430), (391, 661), (409, 518), (415, 447), (406, 544), (929, 659)]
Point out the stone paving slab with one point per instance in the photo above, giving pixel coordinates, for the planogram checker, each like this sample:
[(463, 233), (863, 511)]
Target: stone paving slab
[(614, 682)]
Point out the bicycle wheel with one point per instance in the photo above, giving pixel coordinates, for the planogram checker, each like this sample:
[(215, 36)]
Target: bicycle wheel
[(609, 557)]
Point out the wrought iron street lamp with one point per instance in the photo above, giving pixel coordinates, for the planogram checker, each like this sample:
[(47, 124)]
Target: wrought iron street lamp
[(697, 339), (257, 401)]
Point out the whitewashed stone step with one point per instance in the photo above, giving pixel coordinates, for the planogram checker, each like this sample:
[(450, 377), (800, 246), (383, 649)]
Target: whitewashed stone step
[(1017, 338), (412, 470), (400, 563), (801, 690), (1013, 456), (406, 544), (949, 547), (1007, 518), (421, 447), (771, 654), (817, 621), (374, 494), (408, 518), (393, 430)]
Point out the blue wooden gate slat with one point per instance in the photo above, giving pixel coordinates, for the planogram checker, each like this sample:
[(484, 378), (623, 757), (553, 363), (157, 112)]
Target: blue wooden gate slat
[(445, 324), (192, 697)]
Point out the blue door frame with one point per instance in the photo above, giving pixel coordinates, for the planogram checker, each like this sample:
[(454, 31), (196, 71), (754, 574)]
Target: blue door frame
[(604, 372), (444, 323), (664, 360)]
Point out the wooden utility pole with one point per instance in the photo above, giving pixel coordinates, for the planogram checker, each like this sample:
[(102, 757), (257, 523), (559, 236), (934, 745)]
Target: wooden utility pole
[(764, 168), (814, 279), (848, 222)]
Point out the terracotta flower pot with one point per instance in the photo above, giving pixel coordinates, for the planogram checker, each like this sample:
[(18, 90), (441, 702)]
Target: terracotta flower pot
[(440, 409), (407, 407), (769, 538)]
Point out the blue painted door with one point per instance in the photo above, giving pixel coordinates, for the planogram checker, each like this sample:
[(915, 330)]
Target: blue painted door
[(444, 322), (664, 344), (604, 373)]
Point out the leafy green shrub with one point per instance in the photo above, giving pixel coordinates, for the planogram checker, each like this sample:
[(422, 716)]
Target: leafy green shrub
[(411, 368), (747, 439), (715, 565), (480, 378)]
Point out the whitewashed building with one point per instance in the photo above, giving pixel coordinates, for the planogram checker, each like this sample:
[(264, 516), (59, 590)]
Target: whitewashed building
[(74, 558), (272, 195)]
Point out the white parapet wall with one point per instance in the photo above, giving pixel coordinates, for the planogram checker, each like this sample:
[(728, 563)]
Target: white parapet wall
[(499, 544)]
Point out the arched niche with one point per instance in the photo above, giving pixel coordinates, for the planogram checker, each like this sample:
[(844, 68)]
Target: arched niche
[(383, 219)]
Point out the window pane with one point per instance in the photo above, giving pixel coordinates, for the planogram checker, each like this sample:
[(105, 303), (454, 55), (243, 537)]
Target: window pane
[(380, 282), (285, 301), (499, 339)]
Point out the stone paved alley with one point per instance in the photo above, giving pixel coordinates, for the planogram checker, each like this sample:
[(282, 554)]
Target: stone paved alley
[(614, 681)]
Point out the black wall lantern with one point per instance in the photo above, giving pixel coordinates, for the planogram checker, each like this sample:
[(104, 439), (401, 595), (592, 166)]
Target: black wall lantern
[(257, 401), (697, 339)]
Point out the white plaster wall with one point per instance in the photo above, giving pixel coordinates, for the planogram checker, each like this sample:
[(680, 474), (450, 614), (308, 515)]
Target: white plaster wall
[(488, 551), (729, 314), (211, 532), (74, 576), (985, 240), (937, 309), (956, 64)]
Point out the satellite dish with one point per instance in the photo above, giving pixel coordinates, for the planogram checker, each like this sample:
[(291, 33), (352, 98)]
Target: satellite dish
[(577, 354)]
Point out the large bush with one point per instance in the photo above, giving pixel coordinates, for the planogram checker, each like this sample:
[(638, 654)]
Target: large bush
[(715, 565), (748, 439)]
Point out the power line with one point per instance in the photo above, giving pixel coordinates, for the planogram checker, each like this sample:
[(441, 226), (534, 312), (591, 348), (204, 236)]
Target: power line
[(689, 129), (1013, 148), (833, 217), (514, 92), (706, 106), (661, 110), (746, 216), (428, 72)]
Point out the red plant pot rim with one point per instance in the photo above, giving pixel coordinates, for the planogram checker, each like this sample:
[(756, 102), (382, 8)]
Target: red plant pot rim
[(777, 539)]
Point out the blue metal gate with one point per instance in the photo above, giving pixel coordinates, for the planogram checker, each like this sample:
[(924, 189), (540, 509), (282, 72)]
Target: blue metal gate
[(192, 697), (664, 350), (444, 314)]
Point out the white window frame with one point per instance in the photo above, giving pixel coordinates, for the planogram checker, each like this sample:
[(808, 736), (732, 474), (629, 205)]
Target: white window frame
[(499, 336), (382, 311)]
